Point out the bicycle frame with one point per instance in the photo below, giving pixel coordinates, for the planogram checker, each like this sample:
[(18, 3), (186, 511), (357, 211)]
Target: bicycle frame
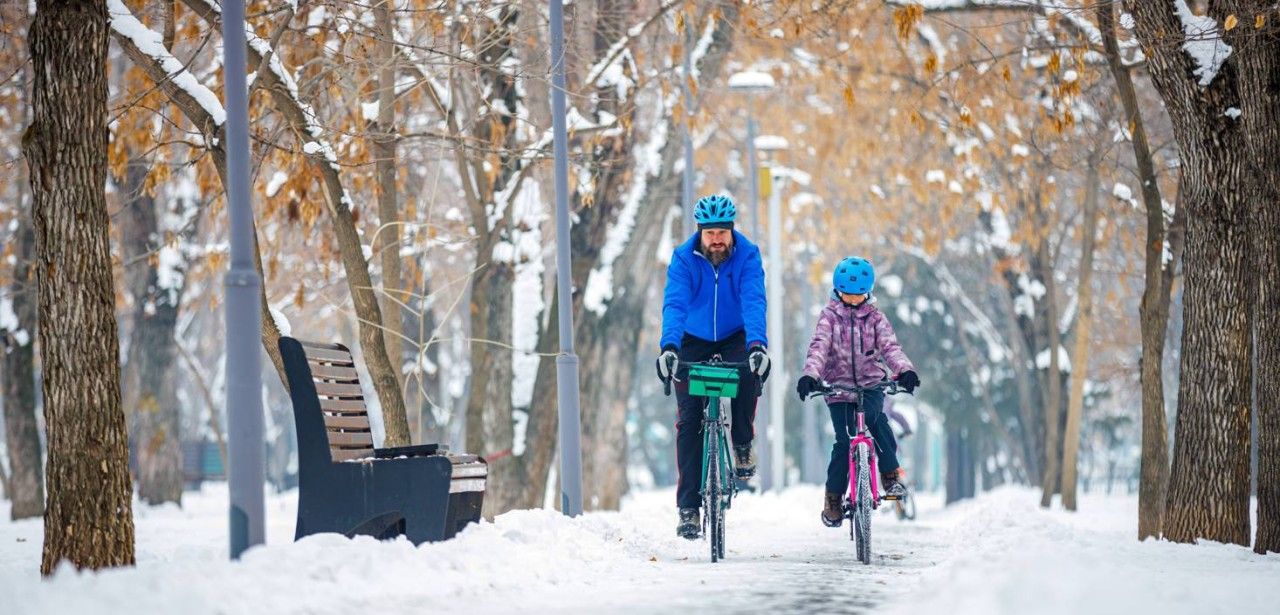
[(863, 438), (714, 426)]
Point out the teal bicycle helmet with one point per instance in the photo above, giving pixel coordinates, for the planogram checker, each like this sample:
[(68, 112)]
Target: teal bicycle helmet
[(854, 276), (715, 211)]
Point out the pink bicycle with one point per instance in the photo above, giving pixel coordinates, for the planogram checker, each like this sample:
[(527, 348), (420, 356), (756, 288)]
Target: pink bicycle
[(864, 475)]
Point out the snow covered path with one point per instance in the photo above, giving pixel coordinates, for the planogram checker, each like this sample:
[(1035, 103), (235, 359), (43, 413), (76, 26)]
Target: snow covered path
[(998, 554)]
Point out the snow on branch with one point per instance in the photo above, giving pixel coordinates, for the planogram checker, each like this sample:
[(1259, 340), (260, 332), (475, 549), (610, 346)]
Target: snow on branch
[(1070, 15), (151, 43), (599, 288), (260, 51), (1203, 42)]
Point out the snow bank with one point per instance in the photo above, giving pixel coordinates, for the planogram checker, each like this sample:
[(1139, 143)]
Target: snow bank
[(524, 561), (997, 554), (1010, 556)]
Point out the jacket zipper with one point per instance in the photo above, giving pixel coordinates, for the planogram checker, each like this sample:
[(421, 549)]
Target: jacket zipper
[(715, 298), (715, 306), (854, 344)]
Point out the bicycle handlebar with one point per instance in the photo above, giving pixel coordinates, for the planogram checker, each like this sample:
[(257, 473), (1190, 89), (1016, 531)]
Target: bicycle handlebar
[(683, 372), (889, 387)]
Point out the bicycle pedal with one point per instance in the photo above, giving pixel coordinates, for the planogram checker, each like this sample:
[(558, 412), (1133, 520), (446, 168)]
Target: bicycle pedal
[(893, 498)]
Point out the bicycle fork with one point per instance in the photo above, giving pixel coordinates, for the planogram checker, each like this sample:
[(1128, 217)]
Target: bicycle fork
[(860, 439)]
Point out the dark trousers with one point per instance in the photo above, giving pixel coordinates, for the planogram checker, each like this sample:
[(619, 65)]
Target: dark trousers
[(844, 419), (689, 413)]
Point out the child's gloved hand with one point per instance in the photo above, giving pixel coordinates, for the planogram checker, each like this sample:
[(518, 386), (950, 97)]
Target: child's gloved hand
[(909, 380), (806, 386)]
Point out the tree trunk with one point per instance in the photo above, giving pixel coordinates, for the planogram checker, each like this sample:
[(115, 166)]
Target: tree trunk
[(1154, 310), (1208, 495), (148, 388), (89, 518), (1257, 50), (1052, 382), (384, 155), (25, 484), (1084, 323), (490, 430)]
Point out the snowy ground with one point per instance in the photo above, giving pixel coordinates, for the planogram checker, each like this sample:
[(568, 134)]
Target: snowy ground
[(999, 554)]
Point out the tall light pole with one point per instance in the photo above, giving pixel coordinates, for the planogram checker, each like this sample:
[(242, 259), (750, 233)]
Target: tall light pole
[(566, 361), (243, 319), (752, 84), (778, 383)]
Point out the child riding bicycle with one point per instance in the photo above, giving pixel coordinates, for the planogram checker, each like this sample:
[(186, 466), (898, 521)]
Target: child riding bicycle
[(854, 345)]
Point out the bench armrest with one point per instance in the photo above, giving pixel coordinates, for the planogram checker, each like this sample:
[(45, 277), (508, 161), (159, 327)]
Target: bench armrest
[(419, 450)]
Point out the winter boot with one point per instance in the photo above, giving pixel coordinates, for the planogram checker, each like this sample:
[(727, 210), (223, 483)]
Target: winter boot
[(690, 526), (833, 511), (746, 458), (892, 487)]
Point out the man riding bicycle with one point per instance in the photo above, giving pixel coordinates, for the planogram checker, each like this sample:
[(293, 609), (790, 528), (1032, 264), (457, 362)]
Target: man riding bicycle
[(713, 304)]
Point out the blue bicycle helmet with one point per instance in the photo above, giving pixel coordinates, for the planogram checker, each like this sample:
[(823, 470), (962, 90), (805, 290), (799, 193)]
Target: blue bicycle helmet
[(854, 276), (714, 211)]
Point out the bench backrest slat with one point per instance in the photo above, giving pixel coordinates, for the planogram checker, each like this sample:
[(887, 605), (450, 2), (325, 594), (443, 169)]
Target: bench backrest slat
[(339, 398)]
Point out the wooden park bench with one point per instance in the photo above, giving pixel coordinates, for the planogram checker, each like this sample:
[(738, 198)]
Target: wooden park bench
[(345, 485)]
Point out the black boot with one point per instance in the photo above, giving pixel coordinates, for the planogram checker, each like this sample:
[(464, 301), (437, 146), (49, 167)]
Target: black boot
[(690, 526), (746, 461), (892, 487), (833, 511)]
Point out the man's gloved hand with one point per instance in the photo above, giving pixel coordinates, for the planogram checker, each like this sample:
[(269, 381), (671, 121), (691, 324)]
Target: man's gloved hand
[(758, 362), (909, 380), (807, 386), (667, 363)]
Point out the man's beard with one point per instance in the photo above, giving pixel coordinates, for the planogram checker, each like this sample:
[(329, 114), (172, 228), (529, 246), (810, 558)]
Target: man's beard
[(716, 256)]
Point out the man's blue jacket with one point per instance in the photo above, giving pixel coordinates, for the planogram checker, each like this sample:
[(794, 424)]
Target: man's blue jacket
[(713, 303)]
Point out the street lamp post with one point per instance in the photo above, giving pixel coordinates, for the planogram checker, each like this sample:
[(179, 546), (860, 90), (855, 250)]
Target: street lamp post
[(686, 180), (243, 319), (566, 362), (778, 383), (753, 83)]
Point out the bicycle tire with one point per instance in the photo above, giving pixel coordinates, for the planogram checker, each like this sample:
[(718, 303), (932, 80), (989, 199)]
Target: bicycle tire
[(726, 498), (861, 526), (711, 506)]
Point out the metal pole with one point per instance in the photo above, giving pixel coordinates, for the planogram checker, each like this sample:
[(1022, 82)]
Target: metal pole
[(687, 178), (753, 166), (243, 319), (566, 361), (778, 381)]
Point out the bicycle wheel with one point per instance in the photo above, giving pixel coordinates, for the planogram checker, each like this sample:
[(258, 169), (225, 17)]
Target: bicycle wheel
[(908, 509), (861, 526), (711, 500), (728, 477)]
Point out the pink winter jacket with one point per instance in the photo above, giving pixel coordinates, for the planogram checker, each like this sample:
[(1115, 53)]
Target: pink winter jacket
[(837, 356)]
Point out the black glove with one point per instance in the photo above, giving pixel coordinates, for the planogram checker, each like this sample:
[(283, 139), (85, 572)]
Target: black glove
[(806, 386), (667, 363), (909, 380), (758, 362)]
